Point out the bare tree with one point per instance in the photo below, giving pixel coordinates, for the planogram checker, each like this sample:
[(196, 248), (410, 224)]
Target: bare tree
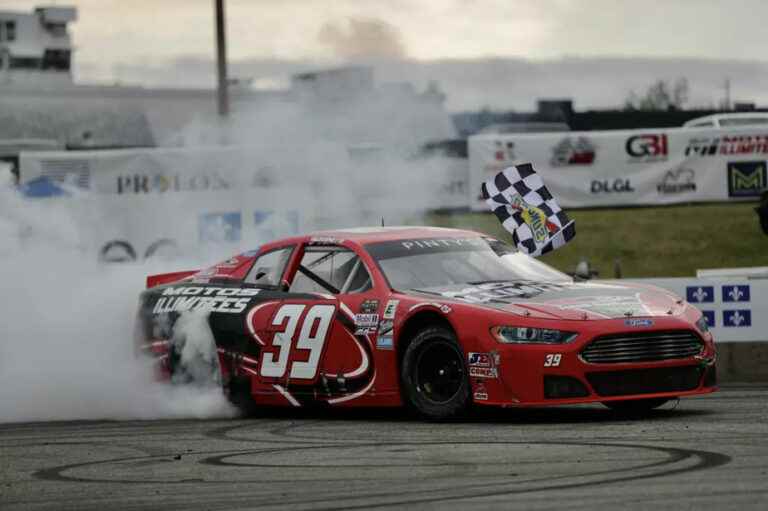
[(660, 95)]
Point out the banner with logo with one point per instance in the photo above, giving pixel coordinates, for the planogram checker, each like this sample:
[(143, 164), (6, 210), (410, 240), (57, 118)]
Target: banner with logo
[(159, 170), (630, 167), (736, 309), (235, 197)]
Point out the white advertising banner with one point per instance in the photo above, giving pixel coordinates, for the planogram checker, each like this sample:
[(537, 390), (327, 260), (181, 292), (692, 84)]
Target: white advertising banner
[(136, 201), (157, 170), (630, 167), (736, 309), (235, 197)]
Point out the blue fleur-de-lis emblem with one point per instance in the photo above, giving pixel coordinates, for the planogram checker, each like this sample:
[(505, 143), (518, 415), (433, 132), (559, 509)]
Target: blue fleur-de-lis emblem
[(736, 293), (699, 294), (737, 318)]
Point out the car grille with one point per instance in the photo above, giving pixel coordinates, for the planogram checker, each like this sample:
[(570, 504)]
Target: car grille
[(645, 381), (642, 347)]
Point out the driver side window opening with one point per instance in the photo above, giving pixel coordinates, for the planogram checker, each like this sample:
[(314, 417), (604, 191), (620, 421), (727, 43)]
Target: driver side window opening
[(331, 269), (268, 268)]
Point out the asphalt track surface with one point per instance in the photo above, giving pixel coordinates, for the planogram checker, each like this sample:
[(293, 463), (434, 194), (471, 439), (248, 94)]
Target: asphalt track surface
[(707, 453)]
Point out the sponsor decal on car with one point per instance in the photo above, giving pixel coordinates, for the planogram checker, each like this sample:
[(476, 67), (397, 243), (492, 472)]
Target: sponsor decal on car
[(366, 323), (573, 152), (479, 359), (499, 291), (386, 326), (638, 323), (553, 359), (647, 148), (204, 299), (200, 304), (324, 240), (385, 342), (442, 243), (483, 372), (209, 291), (391, 309), (480, 393), (679, 180), (481, 365), (610, 306), (747, 178), (369, 307)]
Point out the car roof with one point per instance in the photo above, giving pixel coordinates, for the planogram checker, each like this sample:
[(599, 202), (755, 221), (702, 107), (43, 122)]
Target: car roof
[(733, 115), (365, 235)]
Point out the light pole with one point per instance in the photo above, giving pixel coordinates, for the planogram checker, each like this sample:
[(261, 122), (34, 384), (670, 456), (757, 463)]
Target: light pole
[(221, 59)]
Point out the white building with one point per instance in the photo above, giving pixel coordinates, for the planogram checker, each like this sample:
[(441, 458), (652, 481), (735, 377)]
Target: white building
[(35, 48)]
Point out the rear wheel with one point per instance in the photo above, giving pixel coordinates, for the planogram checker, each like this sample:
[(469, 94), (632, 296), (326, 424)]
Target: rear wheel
[(239, 395), (635, 405), (434, 376)]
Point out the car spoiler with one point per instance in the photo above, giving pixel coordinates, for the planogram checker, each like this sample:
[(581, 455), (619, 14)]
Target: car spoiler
[(167, 278)]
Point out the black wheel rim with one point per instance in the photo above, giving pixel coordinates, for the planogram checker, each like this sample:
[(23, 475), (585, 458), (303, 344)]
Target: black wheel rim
[(439, 372)]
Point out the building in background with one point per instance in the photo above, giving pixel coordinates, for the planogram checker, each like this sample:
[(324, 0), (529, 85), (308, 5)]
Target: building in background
[(40, 100), (35, 48)]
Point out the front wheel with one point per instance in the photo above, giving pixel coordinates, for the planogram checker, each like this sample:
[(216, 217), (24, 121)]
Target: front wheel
[(434, 376), (635, 405)]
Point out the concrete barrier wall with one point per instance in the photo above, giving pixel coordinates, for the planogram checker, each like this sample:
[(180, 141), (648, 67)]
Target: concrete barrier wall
[(742, 361)]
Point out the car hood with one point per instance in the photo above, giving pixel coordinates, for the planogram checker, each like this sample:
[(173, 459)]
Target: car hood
[(563, 300)]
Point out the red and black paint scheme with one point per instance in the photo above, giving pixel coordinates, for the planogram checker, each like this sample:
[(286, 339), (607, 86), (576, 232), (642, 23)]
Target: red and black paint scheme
[(389, 317)]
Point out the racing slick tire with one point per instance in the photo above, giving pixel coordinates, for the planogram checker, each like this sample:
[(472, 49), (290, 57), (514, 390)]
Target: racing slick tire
[(434, 376), (634, 406)]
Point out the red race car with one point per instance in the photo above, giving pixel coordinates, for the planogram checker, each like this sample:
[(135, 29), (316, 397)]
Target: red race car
[(437, 319)]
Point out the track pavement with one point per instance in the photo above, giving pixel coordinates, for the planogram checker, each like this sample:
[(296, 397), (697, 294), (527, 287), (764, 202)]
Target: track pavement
[(708, 452)]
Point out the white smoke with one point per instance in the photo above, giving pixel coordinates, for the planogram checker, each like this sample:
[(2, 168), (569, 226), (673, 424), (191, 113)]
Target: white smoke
[(194, 341), (66, 347)]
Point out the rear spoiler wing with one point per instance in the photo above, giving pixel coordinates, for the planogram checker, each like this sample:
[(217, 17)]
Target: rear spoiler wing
[(167, 278)]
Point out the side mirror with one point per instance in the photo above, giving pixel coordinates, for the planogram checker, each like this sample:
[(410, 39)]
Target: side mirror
[(260, 273)]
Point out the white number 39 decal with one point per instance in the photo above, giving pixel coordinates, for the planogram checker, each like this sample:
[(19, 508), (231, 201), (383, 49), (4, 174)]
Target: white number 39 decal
[(311, 338), (552, 360)]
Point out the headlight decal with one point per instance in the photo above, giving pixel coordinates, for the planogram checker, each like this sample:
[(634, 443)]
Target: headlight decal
[(508, 334)]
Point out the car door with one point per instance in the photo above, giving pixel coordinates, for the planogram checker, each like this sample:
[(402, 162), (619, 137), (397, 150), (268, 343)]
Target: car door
[(316, 343)]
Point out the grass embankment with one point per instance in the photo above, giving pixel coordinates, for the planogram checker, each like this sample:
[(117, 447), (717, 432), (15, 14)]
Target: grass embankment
[(672, 241)]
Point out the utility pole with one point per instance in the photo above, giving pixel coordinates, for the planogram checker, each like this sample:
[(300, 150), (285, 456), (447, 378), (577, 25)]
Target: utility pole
[(221, 59)]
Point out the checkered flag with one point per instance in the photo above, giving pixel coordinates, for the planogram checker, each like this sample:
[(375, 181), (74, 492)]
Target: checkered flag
[(525, 207)]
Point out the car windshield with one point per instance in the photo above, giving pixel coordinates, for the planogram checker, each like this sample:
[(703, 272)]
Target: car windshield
[(438, 262)]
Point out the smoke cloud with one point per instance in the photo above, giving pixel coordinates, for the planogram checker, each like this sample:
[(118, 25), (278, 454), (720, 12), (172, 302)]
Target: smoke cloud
[(362, 38), (66, 347)]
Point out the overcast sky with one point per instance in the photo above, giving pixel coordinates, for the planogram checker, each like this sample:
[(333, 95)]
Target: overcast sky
[(112, 32), (546, 47)]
